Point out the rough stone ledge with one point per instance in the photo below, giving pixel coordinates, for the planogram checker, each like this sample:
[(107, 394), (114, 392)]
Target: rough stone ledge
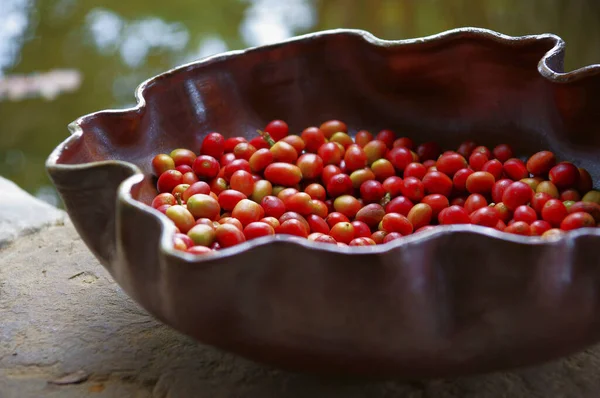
[(61, 313), (22, 214)]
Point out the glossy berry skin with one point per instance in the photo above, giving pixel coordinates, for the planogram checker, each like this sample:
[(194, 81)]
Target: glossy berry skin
[(480, 182), (313, 138), (300, 202), (228, 235), (564, 175), (383, 169), (330, 127), (182, 218), (317, 224), (391, 237), (517, 194), (413, 189), (386, 136), (539, 227), (311, 165), (394, 222), (335, 217), (515, 169), (238, 164), (343, 139), (182, 156), (362, 241), (162, 199), (363, 137), (450, 163), (400, 204), (374, 150), (549, 188), (213, 145), (277, 129), (242, 181), (316, 191), (203, 206), (587, 207), (184, 168), (371, 215), (475, 202), (379, 236), (355, 158), (360, 176), (570, 194), (260, 160), (436, 182), (339, 184), (296, 142), (502, 152), (259, 143), (342, 232), (416, 170), (525, 213), (284, 152), (437, 202), (202, 235), (229, 198), (247, 211), (361, 229), (454, 215), (257, 230), (400, 158), (519, 228), (494, 167), (420, 215), (161, 163), (485, 216), (393, 186), (540, 163), (169, 180), (499, 188), (477, 160), (577, 220), (328, 172), (283, 174), (330, 153), (554, 212), (372, 191), (460, 179)]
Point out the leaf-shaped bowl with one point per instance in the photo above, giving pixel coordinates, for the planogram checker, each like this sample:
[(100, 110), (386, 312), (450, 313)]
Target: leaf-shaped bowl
[(452, 301)]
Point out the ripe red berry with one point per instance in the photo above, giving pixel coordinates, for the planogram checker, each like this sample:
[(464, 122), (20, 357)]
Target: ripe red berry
[(213, 145), (517, 194), (450, 163), (564, 175), (454, 215)]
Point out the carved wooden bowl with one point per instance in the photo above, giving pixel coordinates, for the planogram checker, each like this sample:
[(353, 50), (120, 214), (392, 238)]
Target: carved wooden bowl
[(452, 301)]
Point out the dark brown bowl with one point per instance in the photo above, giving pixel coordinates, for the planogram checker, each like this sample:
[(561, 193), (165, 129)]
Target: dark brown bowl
[(453, 301)]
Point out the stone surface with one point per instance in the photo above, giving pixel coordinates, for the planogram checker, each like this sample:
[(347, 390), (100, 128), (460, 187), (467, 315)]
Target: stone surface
[(21, 213), (61, 313)]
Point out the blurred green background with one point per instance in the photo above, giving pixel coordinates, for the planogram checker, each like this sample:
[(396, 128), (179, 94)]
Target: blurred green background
[(60, 59)]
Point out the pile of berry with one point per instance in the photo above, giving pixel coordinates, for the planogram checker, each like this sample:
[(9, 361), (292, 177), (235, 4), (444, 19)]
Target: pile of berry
[(328, 187)]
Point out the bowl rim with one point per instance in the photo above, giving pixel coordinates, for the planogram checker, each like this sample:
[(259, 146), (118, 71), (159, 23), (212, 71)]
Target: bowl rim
[(125, 198)]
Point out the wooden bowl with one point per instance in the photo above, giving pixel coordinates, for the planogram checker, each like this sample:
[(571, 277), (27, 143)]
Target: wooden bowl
[(452, 301)]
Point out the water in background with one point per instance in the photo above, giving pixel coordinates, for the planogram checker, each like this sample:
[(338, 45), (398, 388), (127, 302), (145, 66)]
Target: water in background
[(60, 59)]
